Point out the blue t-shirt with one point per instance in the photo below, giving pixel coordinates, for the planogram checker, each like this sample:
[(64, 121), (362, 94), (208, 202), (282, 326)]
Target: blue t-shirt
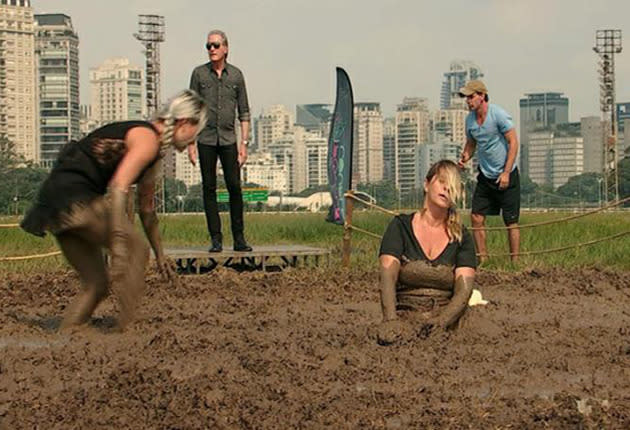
[(492, 146)]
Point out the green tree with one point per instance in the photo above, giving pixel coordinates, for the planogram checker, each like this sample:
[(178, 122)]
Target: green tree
[(624, 178), (584, 187), (194, 199), (174, 190), (20, 180), (384, 192)]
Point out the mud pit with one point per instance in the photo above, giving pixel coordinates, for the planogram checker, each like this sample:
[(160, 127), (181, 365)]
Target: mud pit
[(296, 350)]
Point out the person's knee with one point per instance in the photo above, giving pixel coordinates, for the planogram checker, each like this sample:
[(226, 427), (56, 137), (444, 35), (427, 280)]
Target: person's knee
[(234, 187)]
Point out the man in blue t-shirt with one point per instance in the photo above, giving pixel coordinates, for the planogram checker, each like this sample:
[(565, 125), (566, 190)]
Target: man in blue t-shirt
[(490, 130)]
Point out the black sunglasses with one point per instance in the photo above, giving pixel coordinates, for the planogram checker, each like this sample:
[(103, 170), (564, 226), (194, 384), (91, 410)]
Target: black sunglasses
[(214, 45)]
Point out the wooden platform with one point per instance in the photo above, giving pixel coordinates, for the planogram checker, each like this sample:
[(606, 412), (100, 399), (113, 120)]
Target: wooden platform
[(267, 258)]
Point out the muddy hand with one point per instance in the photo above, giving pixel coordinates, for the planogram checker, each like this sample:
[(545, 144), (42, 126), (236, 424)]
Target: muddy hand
[(165, 266), (390, 332), (429, 327)]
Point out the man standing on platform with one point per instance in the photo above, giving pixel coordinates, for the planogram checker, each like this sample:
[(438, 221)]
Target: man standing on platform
[(490, 129), (222, 86)]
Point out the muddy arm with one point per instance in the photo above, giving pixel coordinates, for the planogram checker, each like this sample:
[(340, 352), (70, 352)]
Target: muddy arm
[(146, 210), (458, 304), (150, 222), (390, 266)]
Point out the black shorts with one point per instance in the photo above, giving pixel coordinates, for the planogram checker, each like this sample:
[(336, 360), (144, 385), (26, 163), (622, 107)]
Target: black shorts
[(488, 199)]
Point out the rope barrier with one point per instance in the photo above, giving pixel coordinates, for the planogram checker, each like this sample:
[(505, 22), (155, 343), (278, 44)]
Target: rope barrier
[(536, 224), (564, 248), (30, 257), (520, 254), (360, 230), (555, 221), (372, 205)]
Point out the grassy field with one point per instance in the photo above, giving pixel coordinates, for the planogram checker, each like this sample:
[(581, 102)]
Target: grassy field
[(311, 229)]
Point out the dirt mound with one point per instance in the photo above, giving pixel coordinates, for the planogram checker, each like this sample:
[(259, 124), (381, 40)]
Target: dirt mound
[(297, 350)]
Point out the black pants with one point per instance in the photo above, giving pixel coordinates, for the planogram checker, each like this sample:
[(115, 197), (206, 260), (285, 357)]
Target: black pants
[(228, 155)]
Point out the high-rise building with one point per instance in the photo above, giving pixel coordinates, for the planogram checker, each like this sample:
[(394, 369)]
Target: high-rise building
[(623, 117), (556, 154), (290, 152), (451, 124), (367, 157), (592, 137), (539, 110), (389, 149), (434, 152), (458, 74), (18, 94), (412, 130), (185, 171), (57, 58), (117, 91), (316, 160), (262, 169), (314, 118), (271, 125)]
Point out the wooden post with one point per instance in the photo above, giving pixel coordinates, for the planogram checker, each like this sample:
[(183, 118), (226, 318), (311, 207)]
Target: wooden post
[(347, 231)]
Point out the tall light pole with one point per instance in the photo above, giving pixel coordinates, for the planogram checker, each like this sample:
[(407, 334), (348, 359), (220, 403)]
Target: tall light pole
[(151, 34), (607, 44)]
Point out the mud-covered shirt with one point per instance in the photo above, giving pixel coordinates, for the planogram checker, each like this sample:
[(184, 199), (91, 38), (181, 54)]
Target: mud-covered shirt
[(399, 241)]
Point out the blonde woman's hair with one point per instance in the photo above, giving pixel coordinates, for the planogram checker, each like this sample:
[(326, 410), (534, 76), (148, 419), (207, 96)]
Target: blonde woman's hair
[(184, 105), (449, 172)]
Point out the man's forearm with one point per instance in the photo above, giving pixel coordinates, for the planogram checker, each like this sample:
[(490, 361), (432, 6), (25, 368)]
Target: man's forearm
[(469, 149), (512, 151), (244, 130)]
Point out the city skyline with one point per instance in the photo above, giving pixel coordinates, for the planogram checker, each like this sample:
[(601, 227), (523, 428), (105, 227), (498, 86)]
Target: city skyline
[(288, 50)]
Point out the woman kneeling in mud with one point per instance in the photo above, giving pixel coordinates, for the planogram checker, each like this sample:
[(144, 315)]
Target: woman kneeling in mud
[(72, 205), (427, 260)]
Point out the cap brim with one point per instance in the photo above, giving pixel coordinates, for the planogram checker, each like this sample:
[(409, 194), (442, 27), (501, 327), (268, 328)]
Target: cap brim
[(465, 92)]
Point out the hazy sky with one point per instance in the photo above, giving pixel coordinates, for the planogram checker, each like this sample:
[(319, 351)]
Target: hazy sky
[(288, 49)]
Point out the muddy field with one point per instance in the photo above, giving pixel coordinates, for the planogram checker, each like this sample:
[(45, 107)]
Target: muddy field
[(297, 350)]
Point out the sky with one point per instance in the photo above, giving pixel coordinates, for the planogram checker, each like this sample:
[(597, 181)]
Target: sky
[(288, 49)]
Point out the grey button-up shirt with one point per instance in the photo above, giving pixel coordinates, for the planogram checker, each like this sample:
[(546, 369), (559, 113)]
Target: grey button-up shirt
[(224, 96)]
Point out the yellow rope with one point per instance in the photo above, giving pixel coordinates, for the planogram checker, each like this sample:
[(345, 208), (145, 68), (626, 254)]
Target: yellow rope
[(543, 251), (9, 225), (30, 257), (554, 221), (372, 205), (564, 248), (360, 230), (536, 224)]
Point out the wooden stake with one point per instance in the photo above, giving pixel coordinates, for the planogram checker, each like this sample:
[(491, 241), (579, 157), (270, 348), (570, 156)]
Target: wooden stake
[(347, 231)]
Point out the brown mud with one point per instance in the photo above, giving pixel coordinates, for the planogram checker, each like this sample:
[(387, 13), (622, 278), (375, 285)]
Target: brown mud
[(297, 350)]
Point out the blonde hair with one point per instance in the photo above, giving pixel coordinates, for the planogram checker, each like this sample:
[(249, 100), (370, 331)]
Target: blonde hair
[(449, 172), (184, 105)]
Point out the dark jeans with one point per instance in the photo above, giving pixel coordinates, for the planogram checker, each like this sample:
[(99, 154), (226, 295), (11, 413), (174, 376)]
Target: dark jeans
[(228, 155)]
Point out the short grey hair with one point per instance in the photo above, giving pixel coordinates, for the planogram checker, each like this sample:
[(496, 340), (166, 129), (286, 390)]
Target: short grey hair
[(219, 33)]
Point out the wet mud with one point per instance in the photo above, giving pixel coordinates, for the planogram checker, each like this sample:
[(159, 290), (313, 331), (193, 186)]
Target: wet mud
[(298, 350)]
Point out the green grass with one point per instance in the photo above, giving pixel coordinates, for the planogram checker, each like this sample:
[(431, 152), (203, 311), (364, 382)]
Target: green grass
[(311, 229)]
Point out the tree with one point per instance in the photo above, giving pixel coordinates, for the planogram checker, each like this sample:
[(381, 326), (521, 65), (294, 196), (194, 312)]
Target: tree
[(585, 187), (194, 199), (174, 190), (384, 192), (624, 178), (20, 180)]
